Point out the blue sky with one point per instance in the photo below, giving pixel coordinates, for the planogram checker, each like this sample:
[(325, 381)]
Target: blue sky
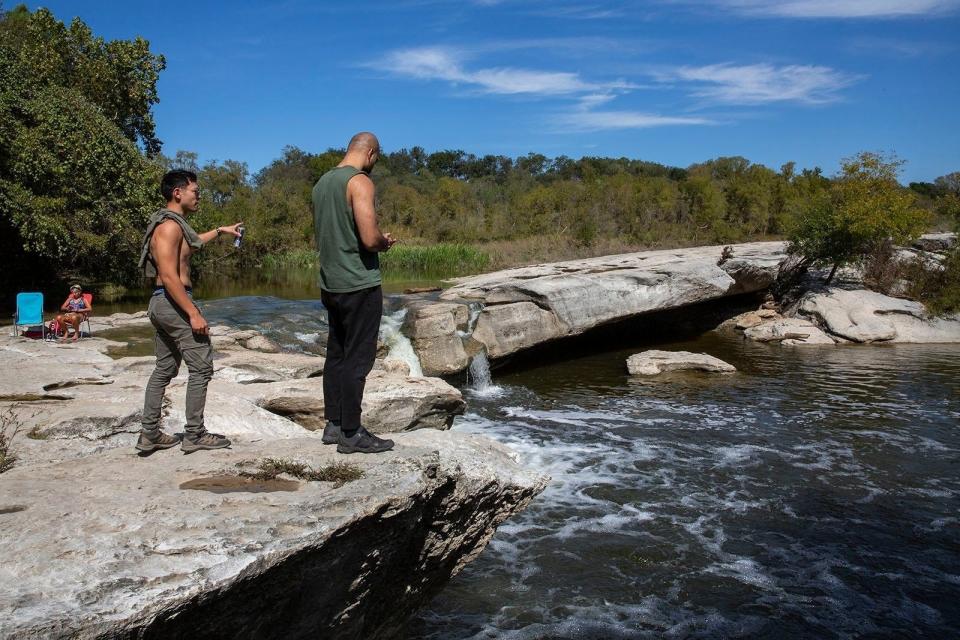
[(670, 81)]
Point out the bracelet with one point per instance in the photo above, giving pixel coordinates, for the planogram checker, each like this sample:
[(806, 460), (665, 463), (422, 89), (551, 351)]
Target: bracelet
[(218, 232)]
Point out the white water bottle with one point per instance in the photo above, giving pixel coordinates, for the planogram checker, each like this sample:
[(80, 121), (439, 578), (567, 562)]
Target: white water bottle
[(236, 241)]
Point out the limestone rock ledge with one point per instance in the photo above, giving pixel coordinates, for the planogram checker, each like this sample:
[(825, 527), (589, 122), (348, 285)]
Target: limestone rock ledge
[(109, 545), (98, 542), (526, 306)]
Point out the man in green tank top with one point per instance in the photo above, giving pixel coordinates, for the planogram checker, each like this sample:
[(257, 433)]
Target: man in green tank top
[(349, 240)]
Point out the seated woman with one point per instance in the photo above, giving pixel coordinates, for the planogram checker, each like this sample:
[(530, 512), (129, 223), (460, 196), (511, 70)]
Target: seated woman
[(76, 311)]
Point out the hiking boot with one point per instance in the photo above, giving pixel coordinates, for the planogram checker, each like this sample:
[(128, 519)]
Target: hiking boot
[(160, 441), (331, 433), (205, 440), (363, 442)]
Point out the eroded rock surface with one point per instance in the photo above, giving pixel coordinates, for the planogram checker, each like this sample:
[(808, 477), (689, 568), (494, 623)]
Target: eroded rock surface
[(100, 542), (788, 331), (110, 545), (434, 331), (391, 402), (868, 316), (654, 362), (527, 306)]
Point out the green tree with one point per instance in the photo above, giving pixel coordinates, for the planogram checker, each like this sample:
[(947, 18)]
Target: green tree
[(864, 207), (75, 188)]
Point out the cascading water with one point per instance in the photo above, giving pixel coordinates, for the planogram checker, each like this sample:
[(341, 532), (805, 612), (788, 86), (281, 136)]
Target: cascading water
[(479, 379), (399, 345), (475, 309)]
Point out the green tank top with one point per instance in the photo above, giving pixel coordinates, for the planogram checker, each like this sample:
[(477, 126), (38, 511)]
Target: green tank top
[(345, 265)]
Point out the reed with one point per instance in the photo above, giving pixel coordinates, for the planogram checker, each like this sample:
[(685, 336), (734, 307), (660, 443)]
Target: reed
[(295, 259), (442, 260)]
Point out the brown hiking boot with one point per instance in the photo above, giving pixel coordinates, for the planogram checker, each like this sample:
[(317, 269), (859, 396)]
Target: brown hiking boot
[(160, 441), (205, 440)]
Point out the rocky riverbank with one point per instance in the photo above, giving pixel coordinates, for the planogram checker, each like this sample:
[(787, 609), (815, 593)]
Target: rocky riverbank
[(848, 312), (98, 541), (508, 311)]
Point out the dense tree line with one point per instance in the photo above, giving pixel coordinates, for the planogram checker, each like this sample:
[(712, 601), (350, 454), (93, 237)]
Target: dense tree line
[(80, 163), (453, 196)]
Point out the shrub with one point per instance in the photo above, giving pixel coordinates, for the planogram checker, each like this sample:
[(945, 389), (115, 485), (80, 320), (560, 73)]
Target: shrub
[(938, 289), (864, 207)]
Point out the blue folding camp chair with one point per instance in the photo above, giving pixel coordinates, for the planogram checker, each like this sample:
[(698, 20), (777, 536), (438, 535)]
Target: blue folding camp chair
[(29, 312)]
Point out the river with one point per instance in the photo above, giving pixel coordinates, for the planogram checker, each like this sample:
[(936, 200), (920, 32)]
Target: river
[(815, 493)]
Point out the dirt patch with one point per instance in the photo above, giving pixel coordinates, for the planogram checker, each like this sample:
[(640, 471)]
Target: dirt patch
[(13, 508), (240, 484)]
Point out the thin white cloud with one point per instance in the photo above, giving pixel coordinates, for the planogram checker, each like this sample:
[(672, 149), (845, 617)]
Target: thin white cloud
[(585, 121), (898, 48), (762, 83), (840, 8), (436, 63)]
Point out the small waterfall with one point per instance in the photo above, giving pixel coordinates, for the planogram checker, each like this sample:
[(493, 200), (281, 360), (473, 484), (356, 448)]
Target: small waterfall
[(479, 379), (475, 309), (398, 344)]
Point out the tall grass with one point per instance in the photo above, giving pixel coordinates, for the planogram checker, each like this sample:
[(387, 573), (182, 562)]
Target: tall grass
[(437, 260), (295, 259), (440, 260)]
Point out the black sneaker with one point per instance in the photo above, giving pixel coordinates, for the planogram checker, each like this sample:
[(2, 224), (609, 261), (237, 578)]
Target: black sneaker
[(331, 433), (205, 440), (363, 442)]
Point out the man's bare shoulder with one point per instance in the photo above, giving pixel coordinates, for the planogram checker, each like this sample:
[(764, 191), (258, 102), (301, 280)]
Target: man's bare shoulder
[(168, 230), (360, 186)]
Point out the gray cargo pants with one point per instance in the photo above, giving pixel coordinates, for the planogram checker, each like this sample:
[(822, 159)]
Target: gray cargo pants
[(175, 342)]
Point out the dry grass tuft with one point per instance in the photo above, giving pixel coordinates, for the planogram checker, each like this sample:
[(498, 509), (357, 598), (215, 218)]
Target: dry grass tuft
[(339, 473)]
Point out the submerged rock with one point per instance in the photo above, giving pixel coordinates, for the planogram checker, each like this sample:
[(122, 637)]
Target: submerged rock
[(654, 362)]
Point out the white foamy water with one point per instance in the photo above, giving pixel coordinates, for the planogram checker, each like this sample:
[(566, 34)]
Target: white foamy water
[(813, 494), (811, 499), (479, 379), (398, 344)]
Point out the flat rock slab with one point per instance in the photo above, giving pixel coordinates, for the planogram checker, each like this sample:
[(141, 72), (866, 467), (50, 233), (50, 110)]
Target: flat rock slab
[(527, 306), (788, 331), (71, 400), (654, 362), (116, 545), (391, 402)]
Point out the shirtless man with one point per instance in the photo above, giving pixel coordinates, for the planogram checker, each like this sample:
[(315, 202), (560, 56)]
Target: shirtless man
[(182, 332)]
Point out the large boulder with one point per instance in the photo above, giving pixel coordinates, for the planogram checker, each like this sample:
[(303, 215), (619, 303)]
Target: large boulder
[(868, 316), (434, 331), (654, 362)]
